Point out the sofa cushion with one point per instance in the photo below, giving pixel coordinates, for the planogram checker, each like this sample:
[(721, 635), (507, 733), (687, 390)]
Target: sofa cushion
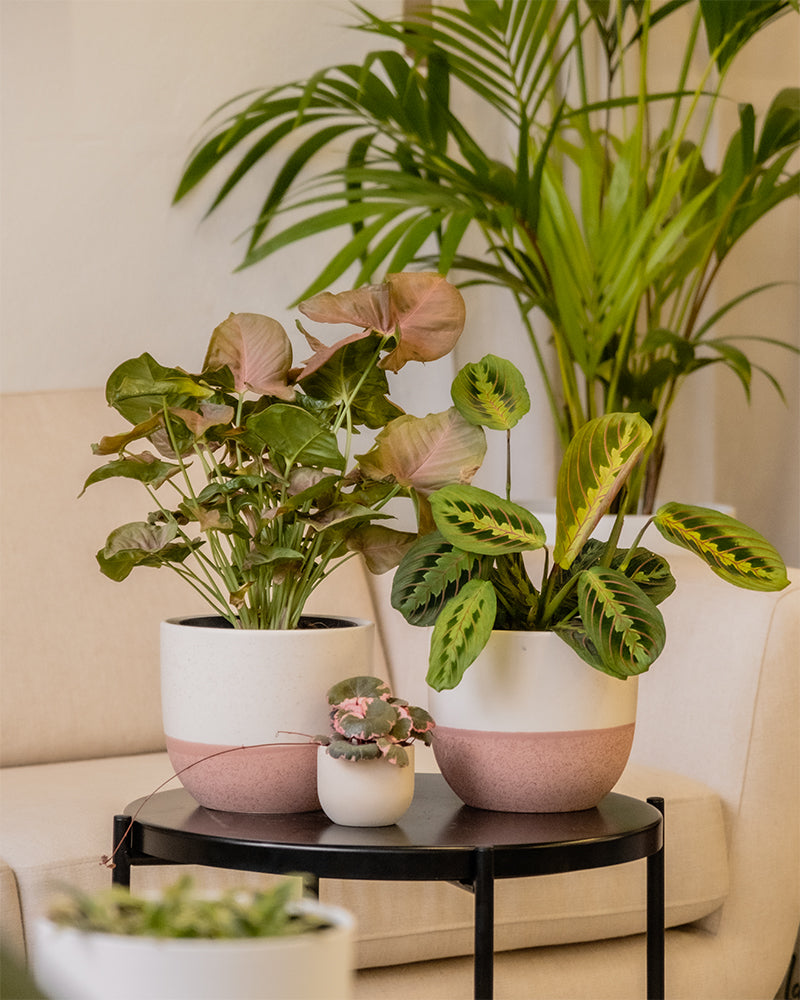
[(56, 824)]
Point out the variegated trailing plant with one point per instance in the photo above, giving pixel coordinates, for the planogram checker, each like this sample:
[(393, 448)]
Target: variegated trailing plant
[(256, 494), (367, 722), (469, 576)]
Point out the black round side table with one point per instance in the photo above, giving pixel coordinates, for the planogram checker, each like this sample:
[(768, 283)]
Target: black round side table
[(438, 839)]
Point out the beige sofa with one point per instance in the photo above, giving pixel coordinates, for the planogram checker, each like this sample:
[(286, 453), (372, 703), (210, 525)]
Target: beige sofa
[(717, 737)]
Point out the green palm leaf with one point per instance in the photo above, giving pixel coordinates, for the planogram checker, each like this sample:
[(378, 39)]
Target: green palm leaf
[(734, 551), (479, 521), (624, 625), (596, 464), (461, 632)]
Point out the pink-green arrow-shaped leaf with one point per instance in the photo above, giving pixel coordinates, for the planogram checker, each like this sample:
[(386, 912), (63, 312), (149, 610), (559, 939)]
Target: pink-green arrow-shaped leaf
[(479, 521), (425, 453), (257, 351), (624, 625), (460, 633), (596, 464), (733, 550), (423, 309)]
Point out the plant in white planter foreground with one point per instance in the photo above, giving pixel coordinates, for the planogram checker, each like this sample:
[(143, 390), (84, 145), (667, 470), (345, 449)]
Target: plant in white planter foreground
[(508, 737), (181, 944), (255, 497), (365, 769)]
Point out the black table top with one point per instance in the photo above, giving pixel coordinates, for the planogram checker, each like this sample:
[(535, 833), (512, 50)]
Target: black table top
[(435, 840)]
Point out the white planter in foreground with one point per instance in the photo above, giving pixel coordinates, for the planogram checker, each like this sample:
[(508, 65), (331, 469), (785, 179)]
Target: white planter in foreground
[(532, 728), (75, 965), (226, 691)]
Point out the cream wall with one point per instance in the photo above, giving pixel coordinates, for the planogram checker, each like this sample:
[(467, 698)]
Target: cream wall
[(101, 100)]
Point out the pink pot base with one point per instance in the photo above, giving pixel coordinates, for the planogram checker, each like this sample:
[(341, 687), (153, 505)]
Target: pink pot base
[(269, 779), (532, 772)]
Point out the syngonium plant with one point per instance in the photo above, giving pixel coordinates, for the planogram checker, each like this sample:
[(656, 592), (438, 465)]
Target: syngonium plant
[(600, 207), (469, 577), (256, 494), (368, 722)]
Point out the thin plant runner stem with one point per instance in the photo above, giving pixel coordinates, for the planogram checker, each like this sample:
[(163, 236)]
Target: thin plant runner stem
[(107, 860)]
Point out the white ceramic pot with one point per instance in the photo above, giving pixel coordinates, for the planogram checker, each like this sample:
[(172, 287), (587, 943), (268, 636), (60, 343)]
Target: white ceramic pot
[(364, 792), (532, 728), (226, 692), (75, 965)]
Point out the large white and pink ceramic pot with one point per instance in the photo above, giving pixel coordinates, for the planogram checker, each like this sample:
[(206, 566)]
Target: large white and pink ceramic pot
[(532, 728), (225, 692)]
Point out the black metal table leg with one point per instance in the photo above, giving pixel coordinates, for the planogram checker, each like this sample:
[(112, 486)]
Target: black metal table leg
[(655, 915), (484, 923), (121, 872)]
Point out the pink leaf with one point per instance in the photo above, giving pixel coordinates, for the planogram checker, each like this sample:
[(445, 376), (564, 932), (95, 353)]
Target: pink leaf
[(426, 453), (257, 351)]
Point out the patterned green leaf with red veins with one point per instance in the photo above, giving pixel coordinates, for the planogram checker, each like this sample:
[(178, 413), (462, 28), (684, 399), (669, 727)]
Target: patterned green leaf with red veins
[(596, 464), (479, 521), (734, 551), (491, 393), (429, 575), (623, 625), (461, 632)]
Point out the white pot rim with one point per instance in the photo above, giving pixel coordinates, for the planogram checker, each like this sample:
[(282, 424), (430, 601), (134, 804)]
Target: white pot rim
[(337, 919)]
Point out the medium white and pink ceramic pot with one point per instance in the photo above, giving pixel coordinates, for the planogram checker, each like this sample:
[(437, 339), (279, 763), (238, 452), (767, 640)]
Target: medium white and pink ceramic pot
[(226, 692), (532, 728)]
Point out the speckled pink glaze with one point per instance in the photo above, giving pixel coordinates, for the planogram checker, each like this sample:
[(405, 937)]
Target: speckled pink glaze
[(524, 772), (272, 779)]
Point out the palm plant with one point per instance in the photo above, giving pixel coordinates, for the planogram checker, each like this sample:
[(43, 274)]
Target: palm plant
[(619, 275)]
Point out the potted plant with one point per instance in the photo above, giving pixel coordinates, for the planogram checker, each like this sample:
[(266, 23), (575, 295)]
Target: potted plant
[(365, 768), (523, 724), (255, 498), (182, 944), (653, 218)]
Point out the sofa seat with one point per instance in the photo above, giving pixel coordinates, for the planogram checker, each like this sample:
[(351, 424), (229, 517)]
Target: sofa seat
[(57, 825)]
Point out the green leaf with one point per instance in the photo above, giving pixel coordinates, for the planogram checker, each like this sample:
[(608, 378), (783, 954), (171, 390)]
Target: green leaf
[(342, 378), (623, 624), (596, 465), (460, 633), (730, 24), (377, 720), (481, 522), (353, 751), (650, 572), (141, 387), (296, 436), (491, 392), (517, 598), (429, 575), (781, 126), (362, 686), (142, 544), (734, 551), (146, 468)]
